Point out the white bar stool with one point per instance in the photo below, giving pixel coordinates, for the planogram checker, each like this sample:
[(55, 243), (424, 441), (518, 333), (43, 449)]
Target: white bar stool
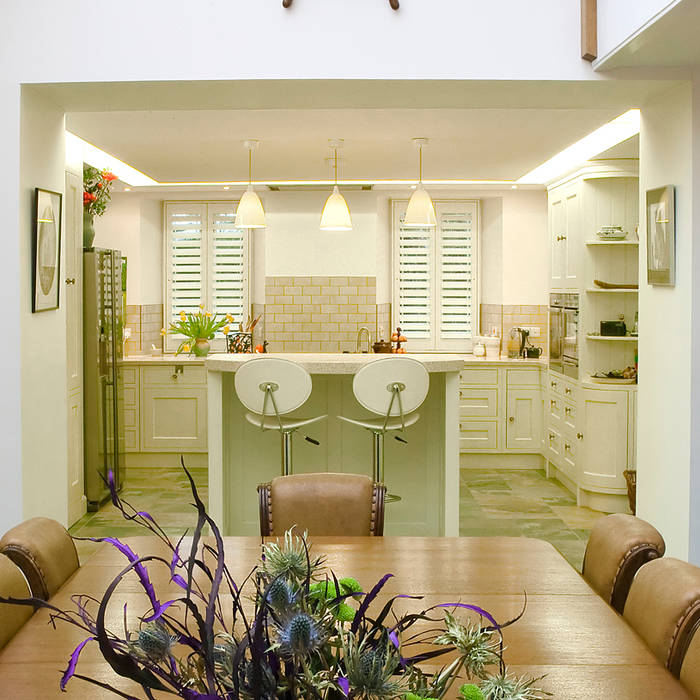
[(269, 388), (394, 388)]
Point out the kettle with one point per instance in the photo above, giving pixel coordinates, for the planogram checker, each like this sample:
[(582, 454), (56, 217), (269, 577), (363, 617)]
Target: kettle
[(533, 352)]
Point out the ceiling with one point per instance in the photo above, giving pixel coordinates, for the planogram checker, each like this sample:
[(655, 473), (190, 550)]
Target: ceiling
[(670, 41), (195, 146), (478, 130)]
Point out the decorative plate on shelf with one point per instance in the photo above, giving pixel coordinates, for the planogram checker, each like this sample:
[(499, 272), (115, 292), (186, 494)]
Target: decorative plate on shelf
[(613, 380)]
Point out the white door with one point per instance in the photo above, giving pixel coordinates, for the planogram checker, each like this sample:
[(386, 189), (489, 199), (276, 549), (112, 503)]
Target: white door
[(524, 426), (603, 439), (73, 275)]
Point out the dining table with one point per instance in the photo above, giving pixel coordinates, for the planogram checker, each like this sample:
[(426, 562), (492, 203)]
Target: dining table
[(567, 637)]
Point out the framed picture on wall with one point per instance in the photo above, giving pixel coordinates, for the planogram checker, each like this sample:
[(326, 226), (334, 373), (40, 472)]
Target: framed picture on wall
[(47, 250), (661, 236)]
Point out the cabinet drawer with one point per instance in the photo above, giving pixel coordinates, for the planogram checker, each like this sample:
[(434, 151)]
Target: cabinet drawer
[(480, 376), (561, 386), (553, 445), (129, 375), (555, 410), (166, 375), (569, 416), (523, 376), (569, 449), (478, 435), (478, 403)]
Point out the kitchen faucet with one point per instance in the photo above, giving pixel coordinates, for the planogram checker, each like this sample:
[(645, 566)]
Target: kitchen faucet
[(360, 333)]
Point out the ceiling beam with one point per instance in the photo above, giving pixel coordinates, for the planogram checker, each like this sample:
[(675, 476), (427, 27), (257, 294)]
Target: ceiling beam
[(589, 30)]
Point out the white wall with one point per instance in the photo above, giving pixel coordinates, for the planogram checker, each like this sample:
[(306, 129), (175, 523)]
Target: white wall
[(513, 250), (42, 336), (619, 20), (668, 376)]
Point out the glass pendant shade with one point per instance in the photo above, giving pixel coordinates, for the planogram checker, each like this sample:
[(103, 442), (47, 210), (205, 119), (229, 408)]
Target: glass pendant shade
[(420, 212), (336, 215), (250, 212)]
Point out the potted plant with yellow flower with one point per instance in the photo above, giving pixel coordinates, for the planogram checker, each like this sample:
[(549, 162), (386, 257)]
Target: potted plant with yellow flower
[(198, 328)]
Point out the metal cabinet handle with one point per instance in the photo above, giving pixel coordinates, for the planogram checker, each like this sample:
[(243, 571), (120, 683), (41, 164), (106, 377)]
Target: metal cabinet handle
[(567, 447), (553, 384), (179, 371), (579, 436), (567, 410), (567, 390), (511, 419), (553, 403), (70, 280), (551, 437)]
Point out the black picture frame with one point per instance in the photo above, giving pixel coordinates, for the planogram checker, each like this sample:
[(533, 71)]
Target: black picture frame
[(661, 236), (46, 250)]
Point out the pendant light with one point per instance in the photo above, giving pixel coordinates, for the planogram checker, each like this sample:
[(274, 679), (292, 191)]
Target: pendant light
[(336, 215), (420, 212), (250, 212)]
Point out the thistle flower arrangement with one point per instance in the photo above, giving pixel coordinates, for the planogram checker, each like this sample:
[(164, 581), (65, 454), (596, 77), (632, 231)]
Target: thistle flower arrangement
[(97, 186), (298, 633), (200, 325)]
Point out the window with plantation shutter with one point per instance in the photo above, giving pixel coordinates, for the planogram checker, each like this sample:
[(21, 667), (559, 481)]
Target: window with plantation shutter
[(206, 260), (435, 277)]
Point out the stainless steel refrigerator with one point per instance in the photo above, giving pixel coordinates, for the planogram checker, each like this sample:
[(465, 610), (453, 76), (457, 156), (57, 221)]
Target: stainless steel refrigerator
[(103, 323)]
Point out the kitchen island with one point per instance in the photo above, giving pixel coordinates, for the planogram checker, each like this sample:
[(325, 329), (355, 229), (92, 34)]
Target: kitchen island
[(424, 472)]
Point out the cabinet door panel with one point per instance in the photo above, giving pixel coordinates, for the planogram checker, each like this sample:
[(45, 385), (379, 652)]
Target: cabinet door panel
[(571, 253), (173, 419), (604, 442), (482, 376), (524, 425), (557, 230)]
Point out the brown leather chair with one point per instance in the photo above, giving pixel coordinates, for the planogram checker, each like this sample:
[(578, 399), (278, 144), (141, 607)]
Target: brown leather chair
[(690, 670), (663, 607), (44, 551), (12, 585), (322, 504), (619, 544)]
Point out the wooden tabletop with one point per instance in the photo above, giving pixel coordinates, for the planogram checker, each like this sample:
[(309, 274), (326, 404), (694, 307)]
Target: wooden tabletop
[(567, 632)]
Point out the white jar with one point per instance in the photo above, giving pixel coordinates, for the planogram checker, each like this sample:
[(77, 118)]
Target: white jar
[(479, 350)]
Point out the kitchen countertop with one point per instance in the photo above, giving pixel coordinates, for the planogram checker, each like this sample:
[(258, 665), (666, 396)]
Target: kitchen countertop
[(162, 360), (338, 363)]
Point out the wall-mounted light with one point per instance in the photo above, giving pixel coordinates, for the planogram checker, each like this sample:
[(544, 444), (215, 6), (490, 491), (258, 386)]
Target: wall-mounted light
[(336, 214), (250, 212), (420, 212)]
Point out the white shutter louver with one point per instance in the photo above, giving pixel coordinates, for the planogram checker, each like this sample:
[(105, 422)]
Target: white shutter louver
[(435, 277), (227, 263), (206, 263), (414, 283), (456, 274), (185, 232)]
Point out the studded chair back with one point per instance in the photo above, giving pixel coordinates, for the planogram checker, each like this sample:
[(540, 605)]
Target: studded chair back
[(12, 585), (350, 505), (618, 546), (663, 607), (45, 553)]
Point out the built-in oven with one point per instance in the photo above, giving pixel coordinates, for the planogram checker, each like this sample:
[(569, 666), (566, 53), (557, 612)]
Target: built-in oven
[(563, 334)]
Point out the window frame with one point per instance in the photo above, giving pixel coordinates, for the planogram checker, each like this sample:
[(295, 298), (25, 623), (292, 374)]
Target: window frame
[(436, 343), (172, 341)]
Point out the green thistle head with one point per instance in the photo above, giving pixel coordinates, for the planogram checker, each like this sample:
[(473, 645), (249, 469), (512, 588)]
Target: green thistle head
[(507, 687), (477, 647), (370, 671), (155, 641), (290, 560)]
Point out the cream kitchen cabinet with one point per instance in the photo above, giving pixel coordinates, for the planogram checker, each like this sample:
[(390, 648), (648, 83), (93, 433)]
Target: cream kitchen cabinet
[(501, 413), (565, 236), (524, 426), (165, 409), (604, 440)]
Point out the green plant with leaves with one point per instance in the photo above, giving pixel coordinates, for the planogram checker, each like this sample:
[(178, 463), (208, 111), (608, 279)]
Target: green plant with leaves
[(97, 185), (202, 325)]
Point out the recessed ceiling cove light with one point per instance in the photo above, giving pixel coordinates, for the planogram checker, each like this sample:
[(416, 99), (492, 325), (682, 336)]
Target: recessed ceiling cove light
[(104, 161), (618, 130)]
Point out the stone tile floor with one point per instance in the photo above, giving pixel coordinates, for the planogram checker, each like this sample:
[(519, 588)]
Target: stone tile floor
[(524, 503), (493, 502)]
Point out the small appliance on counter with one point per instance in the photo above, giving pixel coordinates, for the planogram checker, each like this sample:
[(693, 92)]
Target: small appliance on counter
[(526, 350)]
